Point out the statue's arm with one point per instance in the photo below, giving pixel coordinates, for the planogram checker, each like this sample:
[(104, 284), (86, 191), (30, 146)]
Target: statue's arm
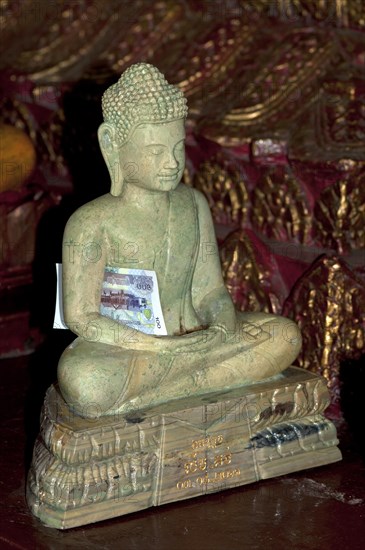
[(84, 258), (211, 299)]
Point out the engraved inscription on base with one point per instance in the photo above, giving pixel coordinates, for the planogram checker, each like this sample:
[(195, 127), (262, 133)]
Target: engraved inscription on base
[(203, 466)]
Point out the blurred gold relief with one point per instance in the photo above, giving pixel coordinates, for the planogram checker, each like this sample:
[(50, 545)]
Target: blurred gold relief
[(328, 304), (339, 215), (247, 280), (223, 184), (279, 208)]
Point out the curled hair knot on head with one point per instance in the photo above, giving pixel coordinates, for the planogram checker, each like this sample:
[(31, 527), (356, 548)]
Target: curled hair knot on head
[(141, 95)]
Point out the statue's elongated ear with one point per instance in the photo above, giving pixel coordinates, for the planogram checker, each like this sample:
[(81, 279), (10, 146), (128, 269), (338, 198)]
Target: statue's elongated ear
[(108, 141)]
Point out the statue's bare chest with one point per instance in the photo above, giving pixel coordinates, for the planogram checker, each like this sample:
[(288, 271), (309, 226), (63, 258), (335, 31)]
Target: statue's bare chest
[(138, 242)]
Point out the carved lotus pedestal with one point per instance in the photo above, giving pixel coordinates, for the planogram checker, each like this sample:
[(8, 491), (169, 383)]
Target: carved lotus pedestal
[(86, 470)]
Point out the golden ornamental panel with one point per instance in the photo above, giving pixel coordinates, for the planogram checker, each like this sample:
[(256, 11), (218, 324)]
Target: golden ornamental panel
[(332, 13), (275, 91), (339, 214), (223, 182), (328, 303), (246, 277), (340, 118), (279, 207), (153, 33)]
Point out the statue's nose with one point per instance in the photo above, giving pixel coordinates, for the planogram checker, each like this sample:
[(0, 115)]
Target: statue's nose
[(171, 161)]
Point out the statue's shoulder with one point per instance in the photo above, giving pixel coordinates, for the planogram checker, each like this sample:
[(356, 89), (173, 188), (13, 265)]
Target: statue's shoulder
[(90, 216), (200, 202), (194, 195), (191, 197)]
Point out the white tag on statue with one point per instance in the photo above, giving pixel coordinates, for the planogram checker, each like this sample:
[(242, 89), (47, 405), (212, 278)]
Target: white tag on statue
[(58, 321), (131, 297)]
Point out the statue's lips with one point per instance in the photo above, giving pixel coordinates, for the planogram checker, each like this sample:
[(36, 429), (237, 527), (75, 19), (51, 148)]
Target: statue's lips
[(168, 176)]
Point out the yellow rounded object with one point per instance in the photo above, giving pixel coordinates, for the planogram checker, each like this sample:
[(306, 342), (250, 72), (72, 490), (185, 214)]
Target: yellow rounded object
[(17, 157)]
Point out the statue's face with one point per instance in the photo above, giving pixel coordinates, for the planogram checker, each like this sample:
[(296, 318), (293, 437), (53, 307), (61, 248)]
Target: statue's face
[(154, 157)]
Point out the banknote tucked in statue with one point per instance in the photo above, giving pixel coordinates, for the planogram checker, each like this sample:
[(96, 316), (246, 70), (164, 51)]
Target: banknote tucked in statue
[(159, 340)]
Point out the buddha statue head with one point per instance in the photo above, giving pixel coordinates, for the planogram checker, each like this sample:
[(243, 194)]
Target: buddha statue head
[(142, 136)]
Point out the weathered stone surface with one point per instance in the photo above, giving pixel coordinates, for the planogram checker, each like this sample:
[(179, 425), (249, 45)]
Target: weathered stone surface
[(87, 470)]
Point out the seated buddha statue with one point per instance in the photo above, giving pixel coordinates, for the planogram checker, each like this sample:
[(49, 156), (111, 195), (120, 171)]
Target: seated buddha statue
[(151, 221)]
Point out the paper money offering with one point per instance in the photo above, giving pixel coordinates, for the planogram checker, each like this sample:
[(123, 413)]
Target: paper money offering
[(131, 297)]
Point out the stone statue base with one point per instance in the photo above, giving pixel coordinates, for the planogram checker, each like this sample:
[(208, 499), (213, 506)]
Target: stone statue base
[(86, 470)]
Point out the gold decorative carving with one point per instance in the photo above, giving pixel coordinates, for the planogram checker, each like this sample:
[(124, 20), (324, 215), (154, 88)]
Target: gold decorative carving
[(223, 183), (216, 53), (279, 208), (336, 13), (328, 303), (339, 214), (247, 281), (276, 92), (212, 84), (340, 117)]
